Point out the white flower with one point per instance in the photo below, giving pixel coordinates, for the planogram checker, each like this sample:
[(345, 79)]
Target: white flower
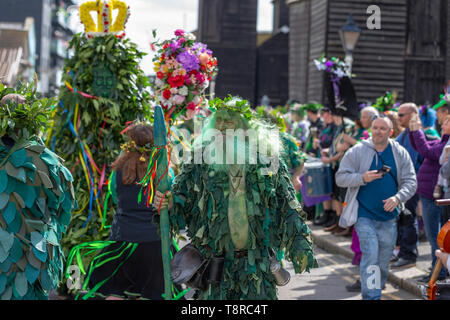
[(197, 100), (340, 73), (174, 91), (159, 83), (183, 91), (320, 65), (164, 101), (189, 36)]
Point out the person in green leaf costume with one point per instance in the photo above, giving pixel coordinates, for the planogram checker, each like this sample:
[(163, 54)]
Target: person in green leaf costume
[(292, 155), (243, 211), (103, 90), (36, 199)]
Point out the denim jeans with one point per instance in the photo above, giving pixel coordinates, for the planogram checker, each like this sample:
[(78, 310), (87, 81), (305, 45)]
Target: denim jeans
[(377, 241), (431, 216)]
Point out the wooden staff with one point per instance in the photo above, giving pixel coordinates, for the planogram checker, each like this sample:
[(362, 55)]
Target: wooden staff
[(162, 176)]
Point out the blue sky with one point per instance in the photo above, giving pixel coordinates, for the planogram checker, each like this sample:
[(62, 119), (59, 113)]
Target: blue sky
[(169, 15)]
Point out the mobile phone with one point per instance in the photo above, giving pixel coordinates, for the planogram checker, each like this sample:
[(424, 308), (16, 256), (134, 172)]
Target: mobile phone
[(384, 170)]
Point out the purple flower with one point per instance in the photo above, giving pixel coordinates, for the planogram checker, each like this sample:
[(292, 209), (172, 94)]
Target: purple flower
[(175, 45), (189, 61), (329, 65), (179, 33), (198, 46)]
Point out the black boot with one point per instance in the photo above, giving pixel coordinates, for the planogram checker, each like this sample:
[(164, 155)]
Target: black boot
[(323, 218), (333, 219)]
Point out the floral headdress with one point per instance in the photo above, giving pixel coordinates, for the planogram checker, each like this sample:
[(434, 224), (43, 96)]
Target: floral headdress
[(445, 98), (233, 104), (387, 102), (334, 66), (183, 69)]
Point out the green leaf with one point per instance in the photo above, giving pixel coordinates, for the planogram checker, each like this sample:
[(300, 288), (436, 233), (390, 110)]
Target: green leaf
[(4, 198), (9, 213), (3, 180), (6, 240), (20, 283)]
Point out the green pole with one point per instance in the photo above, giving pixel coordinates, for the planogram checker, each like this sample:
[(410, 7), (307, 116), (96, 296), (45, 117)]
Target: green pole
[(160, 133)]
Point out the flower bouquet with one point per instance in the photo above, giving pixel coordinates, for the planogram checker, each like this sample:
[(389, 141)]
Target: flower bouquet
[(335, 66), (183, 69)]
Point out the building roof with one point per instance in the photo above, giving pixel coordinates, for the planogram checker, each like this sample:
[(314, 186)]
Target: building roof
[(10, 59), (14, 49)]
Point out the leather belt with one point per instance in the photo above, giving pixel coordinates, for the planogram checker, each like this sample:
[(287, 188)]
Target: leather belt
[(237, 254)]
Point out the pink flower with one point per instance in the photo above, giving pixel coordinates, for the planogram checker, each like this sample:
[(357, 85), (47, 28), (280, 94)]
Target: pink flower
[(187, 80), (178, 99), (191, 106), (179, 33), (200, 77)]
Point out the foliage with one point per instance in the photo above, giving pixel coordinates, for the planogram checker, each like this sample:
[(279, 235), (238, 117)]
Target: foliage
[(233, 104), (386, 102), (98, 122), (22, 121)]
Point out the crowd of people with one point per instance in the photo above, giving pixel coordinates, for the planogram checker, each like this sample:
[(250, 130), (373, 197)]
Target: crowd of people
[(397, 181)]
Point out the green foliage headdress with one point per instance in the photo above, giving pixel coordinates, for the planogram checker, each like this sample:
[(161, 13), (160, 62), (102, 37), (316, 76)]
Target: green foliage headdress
[(386, 102), (22, 114)]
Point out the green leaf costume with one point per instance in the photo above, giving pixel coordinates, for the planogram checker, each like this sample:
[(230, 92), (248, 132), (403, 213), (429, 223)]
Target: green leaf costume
[(240, 209), (104, 89), (36, 200)]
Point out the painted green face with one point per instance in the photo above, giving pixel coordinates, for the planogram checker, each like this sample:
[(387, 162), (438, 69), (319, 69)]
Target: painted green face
[(104, 84), (227, 120)]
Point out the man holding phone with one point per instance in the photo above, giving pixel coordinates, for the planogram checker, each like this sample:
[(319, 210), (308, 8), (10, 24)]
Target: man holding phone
[(380, 176)]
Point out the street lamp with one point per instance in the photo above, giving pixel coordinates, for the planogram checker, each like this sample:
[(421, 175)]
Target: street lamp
[(349, 37)]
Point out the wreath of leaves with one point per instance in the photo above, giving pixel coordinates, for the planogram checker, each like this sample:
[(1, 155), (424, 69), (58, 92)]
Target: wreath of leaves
[(233, 104)]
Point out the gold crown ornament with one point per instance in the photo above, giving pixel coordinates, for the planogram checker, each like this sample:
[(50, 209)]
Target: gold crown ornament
[(105, 25)]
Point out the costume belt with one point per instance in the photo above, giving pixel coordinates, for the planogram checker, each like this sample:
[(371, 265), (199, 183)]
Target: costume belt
[(237, 254)]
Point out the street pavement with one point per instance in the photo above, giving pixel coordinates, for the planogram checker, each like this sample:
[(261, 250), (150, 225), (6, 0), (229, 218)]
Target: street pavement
[(329, 280), (405, 278)]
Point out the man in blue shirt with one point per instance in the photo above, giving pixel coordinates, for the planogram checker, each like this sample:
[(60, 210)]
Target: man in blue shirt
[(379, 176), (407, 230)]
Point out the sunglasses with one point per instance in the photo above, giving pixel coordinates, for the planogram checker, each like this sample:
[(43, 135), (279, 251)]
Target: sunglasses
[(401, 115)]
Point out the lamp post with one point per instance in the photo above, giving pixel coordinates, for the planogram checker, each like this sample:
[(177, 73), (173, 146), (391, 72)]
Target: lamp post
[(349, 37)]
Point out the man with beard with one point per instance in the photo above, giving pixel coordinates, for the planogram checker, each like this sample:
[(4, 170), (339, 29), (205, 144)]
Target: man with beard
[(243, 211)]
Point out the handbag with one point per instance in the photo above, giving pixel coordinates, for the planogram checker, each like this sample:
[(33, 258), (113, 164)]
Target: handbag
[(189, 267)]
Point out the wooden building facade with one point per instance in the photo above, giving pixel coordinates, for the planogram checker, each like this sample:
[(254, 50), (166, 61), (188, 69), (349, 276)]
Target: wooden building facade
[(272, 75), (229, 30), (407, 55)]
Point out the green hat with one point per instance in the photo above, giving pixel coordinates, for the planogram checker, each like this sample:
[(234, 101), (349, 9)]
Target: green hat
[(298, 110), (313, 107), (386, 102), (445, 98)]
